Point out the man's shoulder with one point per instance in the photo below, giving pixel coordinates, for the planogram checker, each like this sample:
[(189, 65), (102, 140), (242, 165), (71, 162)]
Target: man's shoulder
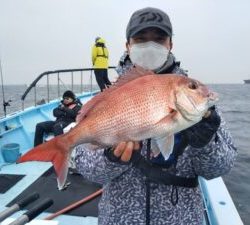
[(178, 69)]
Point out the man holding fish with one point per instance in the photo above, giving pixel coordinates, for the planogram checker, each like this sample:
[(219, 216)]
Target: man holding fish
[(209, 152), (151, 135)]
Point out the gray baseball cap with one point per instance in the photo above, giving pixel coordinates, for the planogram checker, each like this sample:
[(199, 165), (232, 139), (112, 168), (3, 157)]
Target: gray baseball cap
[(148, 17)]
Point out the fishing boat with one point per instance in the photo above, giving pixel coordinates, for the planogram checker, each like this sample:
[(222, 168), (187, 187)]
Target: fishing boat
[(37, 181)]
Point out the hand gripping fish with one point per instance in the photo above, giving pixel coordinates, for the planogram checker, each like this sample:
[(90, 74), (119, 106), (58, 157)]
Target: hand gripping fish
[(140, 105)]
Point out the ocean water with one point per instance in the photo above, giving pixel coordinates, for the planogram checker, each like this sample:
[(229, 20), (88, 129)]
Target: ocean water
[(235, 106)]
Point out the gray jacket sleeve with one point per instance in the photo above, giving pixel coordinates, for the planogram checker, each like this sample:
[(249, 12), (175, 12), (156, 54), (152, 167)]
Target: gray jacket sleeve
[(217, 157), (94, 166)]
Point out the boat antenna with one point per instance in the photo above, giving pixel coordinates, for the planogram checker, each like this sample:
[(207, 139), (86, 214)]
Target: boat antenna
[(5, 104)]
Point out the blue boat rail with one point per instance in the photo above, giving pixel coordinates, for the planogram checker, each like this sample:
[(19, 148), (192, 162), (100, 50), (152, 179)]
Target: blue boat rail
[(48, 74)]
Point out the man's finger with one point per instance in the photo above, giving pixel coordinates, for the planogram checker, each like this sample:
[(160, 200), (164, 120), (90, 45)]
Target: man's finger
[(127, 152), (207, 114), (119, 149), (137, 145)]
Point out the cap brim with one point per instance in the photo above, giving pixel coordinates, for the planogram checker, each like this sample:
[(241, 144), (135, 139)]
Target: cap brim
[(135, 31)]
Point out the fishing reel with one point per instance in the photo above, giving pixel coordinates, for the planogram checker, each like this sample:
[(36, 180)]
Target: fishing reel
[(5, 104)]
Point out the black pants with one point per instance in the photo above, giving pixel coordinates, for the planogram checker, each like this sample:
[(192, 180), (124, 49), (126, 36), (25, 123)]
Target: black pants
[(102, 79), (46, 127)]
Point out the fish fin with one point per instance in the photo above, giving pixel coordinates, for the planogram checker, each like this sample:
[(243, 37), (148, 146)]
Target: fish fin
[(154, 148), (169, 118), (130, 75), (165, 145), (55, 151), (61, 165)]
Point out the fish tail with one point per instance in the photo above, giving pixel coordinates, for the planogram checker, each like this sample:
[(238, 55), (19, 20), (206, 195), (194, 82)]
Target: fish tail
[(56, 151)]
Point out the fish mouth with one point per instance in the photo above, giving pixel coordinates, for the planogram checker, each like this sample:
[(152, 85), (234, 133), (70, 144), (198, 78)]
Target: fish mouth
[(213, 97), (196, 111)]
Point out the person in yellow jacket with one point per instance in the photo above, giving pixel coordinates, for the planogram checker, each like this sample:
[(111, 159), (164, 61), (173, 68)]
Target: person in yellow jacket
[(100, 57)]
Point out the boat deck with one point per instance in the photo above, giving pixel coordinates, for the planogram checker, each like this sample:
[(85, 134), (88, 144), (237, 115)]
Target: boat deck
[(32, 171)]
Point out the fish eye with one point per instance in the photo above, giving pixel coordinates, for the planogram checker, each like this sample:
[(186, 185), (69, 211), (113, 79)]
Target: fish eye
[(193, 85)]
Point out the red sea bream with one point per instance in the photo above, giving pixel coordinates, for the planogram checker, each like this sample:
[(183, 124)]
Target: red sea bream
[(140, 105)]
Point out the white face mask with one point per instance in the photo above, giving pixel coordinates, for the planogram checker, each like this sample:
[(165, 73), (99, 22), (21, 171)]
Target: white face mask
[(149, 55)]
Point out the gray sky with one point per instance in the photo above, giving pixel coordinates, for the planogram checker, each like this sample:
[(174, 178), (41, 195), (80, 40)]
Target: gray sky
[(211, 37)]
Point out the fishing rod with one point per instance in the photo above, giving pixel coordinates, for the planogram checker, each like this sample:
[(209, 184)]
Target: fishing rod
[(5, 104), (33, 212), (75, 205), (18, 206), (64, 85)]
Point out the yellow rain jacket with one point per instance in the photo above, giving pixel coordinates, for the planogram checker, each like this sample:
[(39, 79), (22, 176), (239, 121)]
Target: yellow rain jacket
[(100, 55)]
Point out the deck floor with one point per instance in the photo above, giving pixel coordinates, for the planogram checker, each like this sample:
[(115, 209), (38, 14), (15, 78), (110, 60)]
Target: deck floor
[(32, 171)]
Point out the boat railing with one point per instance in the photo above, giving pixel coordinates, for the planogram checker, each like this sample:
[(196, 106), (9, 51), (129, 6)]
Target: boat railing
[(48, 74)]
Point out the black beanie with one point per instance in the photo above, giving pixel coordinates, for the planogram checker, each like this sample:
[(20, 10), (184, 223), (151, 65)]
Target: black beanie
[(69, 94)]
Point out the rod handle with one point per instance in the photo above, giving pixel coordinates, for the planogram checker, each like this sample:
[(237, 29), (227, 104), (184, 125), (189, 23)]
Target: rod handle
[(25, 201), (36, 210)]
